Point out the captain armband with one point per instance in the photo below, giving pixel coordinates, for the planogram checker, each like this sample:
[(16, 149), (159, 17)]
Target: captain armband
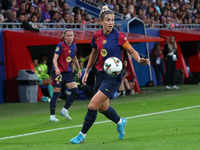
[(126, 45)]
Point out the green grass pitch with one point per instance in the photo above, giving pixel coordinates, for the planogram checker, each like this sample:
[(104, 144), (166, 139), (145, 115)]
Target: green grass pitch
[(158, 119)]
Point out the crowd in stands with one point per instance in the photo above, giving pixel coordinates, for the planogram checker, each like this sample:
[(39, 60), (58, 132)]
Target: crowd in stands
[(151, 12)]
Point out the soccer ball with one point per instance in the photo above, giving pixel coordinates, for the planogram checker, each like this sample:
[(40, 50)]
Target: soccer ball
[(113, 66)]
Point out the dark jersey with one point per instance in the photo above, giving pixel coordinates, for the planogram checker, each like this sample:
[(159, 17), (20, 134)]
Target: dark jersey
[(66, 54), (109, 45)]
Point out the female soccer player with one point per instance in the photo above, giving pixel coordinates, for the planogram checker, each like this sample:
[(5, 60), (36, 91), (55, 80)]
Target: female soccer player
[(106, 42), (65, 53)]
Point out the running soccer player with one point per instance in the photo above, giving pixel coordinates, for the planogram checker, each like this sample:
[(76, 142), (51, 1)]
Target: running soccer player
[(65, 52), (107, 42)]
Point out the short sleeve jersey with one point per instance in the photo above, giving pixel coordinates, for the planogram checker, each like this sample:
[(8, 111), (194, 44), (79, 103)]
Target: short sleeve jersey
[(109, 45), (66, 54)]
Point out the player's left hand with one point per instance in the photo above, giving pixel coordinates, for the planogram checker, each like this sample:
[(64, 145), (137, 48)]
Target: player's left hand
[(144, 61), (79, 74)]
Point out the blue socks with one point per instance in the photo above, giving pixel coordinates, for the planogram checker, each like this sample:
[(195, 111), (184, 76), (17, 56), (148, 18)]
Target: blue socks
[(111, 114), (89, 120), (53, 103), (91, 117), (71, 98)]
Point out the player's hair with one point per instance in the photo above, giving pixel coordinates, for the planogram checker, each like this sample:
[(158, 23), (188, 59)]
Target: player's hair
[(65, 33), (105, 10)]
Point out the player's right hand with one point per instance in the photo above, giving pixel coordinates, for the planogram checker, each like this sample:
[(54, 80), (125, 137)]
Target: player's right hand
[(84, 79), (58, 72)]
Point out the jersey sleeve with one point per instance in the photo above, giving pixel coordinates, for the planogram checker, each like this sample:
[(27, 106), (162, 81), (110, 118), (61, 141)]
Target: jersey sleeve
[(93, 45), (58, 49), (123, 41)]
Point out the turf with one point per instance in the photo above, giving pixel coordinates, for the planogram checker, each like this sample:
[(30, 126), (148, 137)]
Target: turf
[(177, 130)]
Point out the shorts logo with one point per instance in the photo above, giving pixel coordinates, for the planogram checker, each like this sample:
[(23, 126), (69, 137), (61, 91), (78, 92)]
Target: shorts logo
[(57, 49), (125, 38), (69, 51), (58, 82), (104, 42), (107, 90), (103, 52), (68, 59)]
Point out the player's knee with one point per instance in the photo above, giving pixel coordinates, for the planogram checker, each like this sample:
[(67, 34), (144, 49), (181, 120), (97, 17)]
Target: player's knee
[(92, 107), (74, 92)]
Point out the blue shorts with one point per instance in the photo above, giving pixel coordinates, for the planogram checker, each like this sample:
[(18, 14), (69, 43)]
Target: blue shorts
[(63, 78), (107, 84)]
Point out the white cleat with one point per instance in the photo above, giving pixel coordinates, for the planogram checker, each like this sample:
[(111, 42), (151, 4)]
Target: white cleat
[(53, 119), (175, 87), (65, 113), (167, 87)]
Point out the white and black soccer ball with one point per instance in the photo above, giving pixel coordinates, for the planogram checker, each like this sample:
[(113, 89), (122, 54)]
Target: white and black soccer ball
[(113, 66)]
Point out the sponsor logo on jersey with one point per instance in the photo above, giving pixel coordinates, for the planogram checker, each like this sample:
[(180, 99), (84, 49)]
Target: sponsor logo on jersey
[(68, 59), (103, 52)]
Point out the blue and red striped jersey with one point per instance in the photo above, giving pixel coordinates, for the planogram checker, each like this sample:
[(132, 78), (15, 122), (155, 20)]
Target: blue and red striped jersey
[(108, 45), (66, 54)]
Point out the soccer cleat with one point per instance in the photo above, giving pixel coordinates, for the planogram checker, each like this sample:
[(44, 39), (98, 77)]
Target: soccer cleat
[(132, 93), (78, 139), (175, 87), (167, 87), (120, 128), (66, 114), (53, 119)]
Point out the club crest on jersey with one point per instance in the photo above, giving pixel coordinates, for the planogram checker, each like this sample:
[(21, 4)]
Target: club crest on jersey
[(68, 59), (58, 82), (57, 49), (104, 42), (103, 52), (69, 51)]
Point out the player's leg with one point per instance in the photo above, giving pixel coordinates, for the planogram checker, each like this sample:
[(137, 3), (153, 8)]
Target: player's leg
[(128, 90), (56, 92), (122, 91), (132, 85), (57, 83), (98, 99), (111, 114), (72, 86)]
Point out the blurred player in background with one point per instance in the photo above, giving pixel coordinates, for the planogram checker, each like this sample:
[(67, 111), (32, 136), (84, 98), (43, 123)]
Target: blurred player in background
[(65, 52)]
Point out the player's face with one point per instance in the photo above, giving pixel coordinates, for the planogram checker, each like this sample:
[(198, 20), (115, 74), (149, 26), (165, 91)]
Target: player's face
[(108, 22), (125, 63), (81, 64), (69, 37), (35, 62)]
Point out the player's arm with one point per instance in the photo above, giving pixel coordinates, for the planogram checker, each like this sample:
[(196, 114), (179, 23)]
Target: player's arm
[(75, 60), (55, 60), (92, 59), (136, 56)]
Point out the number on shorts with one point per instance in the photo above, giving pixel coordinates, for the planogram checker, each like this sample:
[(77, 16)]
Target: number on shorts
[(59, 78)]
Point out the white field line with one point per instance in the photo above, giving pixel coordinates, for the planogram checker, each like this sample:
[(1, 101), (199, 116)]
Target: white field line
[(161, 112)]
